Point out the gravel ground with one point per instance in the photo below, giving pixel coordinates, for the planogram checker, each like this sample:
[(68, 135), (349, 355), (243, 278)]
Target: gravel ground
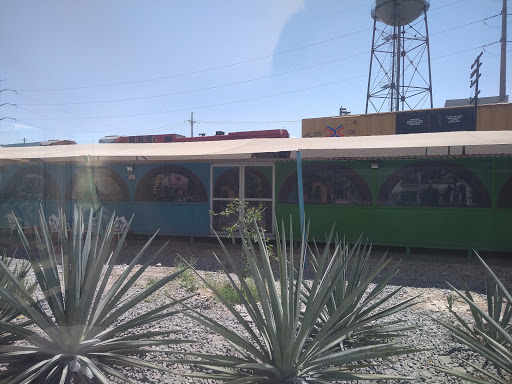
[(423, 272)]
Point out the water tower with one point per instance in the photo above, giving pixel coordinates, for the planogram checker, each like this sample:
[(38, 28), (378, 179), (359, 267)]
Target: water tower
[(400, 77)]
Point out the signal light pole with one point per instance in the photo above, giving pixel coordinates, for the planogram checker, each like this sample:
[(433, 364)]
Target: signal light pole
[(476, 74)]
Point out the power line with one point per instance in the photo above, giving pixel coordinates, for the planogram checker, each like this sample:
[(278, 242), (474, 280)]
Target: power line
[(243, 100), (202, 70), (251, 122), (205, 106), (238, 82), (216, 67), (203, 89)]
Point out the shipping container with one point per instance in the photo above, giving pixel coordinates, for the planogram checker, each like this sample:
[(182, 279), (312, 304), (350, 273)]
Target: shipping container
[(494, 117), (490, 117)]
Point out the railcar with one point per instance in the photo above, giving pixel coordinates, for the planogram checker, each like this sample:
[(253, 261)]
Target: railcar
[(220, 135), (434, 190), (490, 117)]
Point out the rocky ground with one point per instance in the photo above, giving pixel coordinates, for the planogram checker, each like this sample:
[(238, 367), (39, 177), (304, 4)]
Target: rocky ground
[(422, 272)]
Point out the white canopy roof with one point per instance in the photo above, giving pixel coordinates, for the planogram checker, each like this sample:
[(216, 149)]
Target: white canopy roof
[(391, 146)]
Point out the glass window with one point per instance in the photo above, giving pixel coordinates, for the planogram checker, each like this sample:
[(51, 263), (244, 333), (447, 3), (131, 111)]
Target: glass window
[(327, 183), (227, 181), (258, 181), (171, 184), (434, 185), (30, 184), (267, 214), (219, 222), (103, 183)]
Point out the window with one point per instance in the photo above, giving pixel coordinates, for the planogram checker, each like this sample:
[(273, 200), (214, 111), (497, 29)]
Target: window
[(434, 184), (327, 183), (101, 183), (32, 183), (171, 184), (249, 183)]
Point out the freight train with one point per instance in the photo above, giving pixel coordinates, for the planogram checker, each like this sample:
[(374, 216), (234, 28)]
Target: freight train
[(175, 138), (490, 117)]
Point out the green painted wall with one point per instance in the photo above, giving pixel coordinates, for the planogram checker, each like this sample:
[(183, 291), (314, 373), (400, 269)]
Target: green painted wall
[(481, 228)]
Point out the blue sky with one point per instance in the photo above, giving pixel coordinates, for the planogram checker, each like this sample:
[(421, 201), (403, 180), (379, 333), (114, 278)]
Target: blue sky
[(85, 69)]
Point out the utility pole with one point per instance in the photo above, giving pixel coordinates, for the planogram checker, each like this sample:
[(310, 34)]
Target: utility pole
[(191, 121), (476, 74), (343, 111), (1, 105), (503, 62)]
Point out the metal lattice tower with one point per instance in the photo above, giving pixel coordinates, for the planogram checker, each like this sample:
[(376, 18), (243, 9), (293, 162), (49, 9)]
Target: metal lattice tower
[(400, 76)]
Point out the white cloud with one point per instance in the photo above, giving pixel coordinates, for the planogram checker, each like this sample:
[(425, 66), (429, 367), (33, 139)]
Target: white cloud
[(24, 127)]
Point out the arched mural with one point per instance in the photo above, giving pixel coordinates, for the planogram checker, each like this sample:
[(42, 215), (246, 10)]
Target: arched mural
[(32, 183), (98, 182), (434, 184), (171, 184), (327, 183), (505, 195)]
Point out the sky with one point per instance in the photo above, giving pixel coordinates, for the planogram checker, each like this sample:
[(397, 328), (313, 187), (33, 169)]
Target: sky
[(79, 70)]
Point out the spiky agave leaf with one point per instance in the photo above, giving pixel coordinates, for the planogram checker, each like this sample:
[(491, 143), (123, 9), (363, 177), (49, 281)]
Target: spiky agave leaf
[(8, 313), (81, 335), (369, 304), (286, 342), (490, 333)]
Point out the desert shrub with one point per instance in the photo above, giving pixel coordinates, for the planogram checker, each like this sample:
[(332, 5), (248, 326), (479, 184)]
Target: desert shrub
[(229, 293), (7, 313), (81, 334), (188, 278), (489, 333), (285, 338)]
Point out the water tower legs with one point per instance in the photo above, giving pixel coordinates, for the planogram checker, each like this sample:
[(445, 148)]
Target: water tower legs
[(400, 73)]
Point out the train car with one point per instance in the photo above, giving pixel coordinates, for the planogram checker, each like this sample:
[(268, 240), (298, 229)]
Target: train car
[(175, 138), (41, 143), (108, 139), (57, 142), (490, 117), (433, 190)]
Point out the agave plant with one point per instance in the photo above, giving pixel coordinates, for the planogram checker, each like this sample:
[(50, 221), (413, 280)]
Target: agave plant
[(489, 334), (360, 307), (79, 335), (8, 313), (289, 339)]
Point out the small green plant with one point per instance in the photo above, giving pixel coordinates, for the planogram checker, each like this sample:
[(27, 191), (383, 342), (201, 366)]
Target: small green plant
[(80, 335), (188, 278), (150, 281), (489, 334), (230, 294), (248, 221), (284, 339)]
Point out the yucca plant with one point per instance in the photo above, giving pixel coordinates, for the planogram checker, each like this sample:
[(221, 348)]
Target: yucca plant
[(8, 313), (79, 335), (359, 306), (489, 334), (288, 340)]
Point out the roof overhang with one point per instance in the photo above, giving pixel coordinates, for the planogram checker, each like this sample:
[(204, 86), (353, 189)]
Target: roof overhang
[(390, 146)]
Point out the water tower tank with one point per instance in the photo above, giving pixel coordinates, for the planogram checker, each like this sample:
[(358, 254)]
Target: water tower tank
[(406, 11)]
